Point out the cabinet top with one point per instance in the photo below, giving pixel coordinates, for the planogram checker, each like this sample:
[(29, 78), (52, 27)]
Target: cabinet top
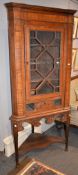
[(40, 8)]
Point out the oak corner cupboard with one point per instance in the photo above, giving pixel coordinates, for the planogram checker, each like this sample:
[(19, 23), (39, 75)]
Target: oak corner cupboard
[(40, 64)]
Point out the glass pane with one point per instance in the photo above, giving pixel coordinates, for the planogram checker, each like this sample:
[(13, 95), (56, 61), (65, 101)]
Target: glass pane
[(44, 62), (57, 102), (30, 107)]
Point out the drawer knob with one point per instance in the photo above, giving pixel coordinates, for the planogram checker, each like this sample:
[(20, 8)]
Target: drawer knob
[(68, 64), (15, 126)]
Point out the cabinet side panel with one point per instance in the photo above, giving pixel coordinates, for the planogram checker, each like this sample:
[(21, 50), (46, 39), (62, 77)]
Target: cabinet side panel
[(12, 60), (17, 66), (68, 64)]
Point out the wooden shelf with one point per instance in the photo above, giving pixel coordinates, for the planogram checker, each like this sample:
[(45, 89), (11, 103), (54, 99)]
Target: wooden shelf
[(38, 141), (74, 77)]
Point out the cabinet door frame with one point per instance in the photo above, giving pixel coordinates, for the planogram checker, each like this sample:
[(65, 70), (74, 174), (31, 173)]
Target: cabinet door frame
[(45, 27)]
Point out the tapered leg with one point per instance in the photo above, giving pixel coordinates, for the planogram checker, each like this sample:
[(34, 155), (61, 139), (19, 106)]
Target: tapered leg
[(15, 134), (66, 130), (32, 129), (58, 125)]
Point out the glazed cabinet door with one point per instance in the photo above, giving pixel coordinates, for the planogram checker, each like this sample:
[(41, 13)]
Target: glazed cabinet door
[(45, 63)]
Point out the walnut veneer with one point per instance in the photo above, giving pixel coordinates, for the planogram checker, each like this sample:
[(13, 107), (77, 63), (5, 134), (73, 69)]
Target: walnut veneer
[(40, 40)]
